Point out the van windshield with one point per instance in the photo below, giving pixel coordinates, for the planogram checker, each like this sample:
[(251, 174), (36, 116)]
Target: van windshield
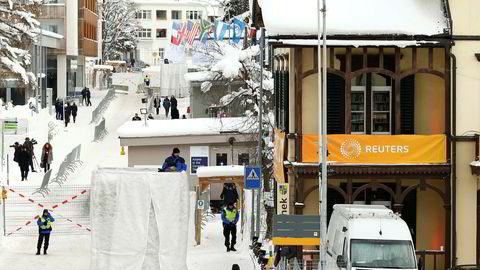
[(382, 254)]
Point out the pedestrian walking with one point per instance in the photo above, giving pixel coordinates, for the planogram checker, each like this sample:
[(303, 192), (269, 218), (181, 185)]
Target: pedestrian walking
[(57, 109), (30, 150), (146, 80), (23, 162), (17, 148), (230, 218), (84, 96), (166, 106), (44, 223), (157, 103), (174, 114), (89, 103), (136, 118), (74, 111), (68, 112), (47, 156)]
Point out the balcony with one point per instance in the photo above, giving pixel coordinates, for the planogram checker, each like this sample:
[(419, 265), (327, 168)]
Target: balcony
[(53, 11)]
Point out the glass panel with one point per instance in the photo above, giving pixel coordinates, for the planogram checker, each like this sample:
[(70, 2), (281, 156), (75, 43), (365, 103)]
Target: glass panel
[(380, 111), (394, 254), (358, 111)]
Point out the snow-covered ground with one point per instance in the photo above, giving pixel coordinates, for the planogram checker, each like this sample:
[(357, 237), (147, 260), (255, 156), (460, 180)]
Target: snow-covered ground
[(73, 251)]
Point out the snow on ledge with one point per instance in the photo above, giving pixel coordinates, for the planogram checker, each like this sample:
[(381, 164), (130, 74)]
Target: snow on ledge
[(355, 17), (185, 127), (219, 171), (475, 163), (199, 76), (357, 43), (51, 34)]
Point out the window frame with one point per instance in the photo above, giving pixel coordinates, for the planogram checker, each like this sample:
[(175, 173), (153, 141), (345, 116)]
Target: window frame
[(372, 112), (248, 158), (221, 155), (161, 30), (161, 53), (179, 12), (144, 33), (157, 17), (193, 14), (362, 89), (143, 14)]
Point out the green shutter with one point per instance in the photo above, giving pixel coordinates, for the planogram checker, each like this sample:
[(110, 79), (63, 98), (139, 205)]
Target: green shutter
[(407, 105)]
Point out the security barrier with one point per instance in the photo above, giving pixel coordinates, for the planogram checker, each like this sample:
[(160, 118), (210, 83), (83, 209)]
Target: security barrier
[(102, 106)]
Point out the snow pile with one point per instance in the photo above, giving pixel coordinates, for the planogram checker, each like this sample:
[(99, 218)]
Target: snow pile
[(216, 171), (230, 62), (185, 127), (354, 17), (358, 43), (139, 219), (475, 163)]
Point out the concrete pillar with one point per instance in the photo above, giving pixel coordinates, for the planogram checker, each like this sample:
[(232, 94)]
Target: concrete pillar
[(466, 201), (61, 76)]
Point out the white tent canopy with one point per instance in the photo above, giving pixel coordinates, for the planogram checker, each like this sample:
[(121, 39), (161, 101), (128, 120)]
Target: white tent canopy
[(355, 17)]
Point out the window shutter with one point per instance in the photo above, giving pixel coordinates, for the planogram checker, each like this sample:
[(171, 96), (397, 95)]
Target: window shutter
[(285, 94), (335, 104), (276, 87), (407, 105)]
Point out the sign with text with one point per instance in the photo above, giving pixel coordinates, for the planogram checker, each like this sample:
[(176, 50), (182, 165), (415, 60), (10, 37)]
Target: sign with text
[(252, 177), (378, 149), (283, 193), (198, 158)]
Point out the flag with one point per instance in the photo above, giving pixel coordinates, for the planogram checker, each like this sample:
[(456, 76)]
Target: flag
[(193, 32), (220, 29), (238, 27), (176, 36), (205, 30), (183, 31)]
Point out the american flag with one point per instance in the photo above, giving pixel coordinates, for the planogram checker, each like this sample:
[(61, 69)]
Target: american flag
[(193, 33)]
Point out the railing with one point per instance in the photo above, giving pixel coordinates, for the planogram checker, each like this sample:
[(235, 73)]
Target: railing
[(102, 106), (68, 166), (100, 131)]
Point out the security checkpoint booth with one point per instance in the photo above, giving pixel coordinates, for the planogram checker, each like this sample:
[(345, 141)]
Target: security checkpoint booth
[(214, 175)]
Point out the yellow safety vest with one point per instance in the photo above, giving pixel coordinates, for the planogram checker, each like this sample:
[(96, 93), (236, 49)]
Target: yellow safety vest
[(230, 215), (44, 227)]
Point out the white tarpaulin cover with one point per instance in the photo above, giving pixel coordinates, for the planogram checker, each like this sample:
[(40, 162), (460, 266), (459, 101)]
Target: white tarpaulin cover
[(139, 219)]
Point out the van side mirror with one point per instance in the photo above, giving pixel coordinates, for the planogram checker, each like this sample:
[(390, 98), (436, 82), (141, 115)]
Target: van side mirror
[(341, 261)]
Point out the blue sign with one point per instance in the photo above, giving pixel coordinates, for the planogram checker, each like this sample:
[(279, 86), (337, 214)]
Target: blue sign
[(197, 162), (252, 177)]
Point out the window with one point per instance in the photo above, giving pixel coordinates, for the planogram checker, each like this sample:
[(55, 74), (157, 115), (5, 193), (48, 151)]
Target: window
[(51, 28), (161, 53), (144, 33), (176, 14), (221, 159), (381, 106), (358, 109), (398, 254), (161, 14), (194, 14), (161, 33), (143, 15), (243, 159)]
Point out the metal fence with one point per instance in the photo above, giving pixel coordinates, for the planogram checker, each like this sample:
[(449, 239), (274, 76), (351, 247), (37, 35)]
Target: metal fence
[(69, 205), (53, 129), (69, 165), (102, 106), (100, 131)]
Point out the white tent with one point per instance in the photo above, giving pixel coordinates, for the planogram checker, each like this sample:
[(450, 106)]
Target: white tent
[(169, 78)]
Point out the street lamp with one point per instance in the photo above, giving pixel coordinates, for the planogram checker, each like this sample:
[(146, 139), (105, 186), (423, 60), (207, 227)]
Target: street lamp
[(322, 118)]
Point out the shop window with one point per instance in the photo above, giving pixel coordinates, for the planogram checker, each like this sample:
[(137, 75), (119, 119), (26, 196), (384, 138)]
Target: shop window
[(221, 159)]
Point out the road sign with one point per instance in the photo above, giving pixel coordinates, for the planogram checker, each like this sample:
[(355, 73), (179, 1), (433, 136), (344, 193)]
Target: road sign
[(201, 204), (8, 124), (252, 177)]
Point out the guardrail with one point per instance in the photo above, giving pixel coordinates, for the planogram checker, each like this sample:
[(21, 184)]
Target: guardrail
[(100, 131), (102, 106)]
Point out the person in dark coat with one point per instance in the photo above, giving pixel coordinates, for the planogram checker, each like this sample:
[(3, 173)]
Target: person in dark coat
[(44, 223), (172, 162), (23, 162), (175, 114), (157, 103), (229, 193), (230, 218), (30, 150), (89, 103), (57, 111), (84, 96), (235, 267), (173, 102), (17, 148), (68, 112), (166, 106), (74, 111), (136, 118), (47, 156)]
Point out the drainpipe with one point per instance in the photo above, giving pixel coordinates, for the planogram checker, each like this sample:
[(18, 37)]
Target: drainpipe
[(453, 181)]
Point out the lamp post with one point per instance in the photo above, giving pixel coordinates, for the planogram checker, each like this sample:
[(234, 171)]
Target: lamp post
[(322, 118), (143, 111)]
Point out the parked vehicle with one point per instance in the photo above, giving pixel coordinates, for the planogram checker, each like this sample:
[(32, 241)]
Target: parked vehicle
[(368, 237)]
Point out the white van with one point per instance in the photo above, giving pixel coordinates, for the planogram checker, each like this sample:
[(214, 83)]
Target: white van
[(368, 237)]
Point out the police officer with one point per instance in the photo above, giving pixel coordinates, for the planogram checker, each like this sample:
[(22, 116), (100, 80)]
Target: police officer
[(45, 227), (230, 218)]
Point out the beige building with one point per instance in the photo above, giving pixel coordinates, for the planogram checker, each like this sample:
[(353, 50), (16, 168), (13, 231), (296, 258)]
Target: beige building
[(403, 84), (201, 141)]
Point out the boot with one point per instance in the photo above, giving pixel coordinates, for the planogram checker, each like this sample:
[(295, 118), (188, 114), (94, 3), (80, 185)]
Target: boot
[(228, 248), (38, 251), (232, 248), (44, 251)]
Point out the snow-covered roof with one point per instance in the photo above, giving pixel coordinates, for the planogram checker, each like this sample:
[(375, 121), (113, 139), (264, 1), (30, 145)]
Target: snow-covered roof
[(218, 171), (51, 34), (199, 76), (103, 67), (355, 17), (357, 43), (185, 127)]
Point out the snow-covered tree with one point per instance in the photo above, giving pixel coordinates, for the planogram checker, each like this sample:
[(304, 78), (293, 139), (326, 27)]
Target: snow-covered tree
[(119, 31), (18, 30), (234, 8)]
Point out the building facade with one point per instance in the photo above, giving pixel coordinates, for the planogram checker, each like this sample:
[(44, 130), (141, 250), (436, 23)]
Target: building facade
[(386, 81), (156, 17)]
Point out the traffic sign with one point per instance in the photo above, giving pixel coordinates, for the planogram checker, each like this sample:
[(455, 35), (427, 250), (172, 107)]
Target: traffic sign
[(252, 177), (201, 204)]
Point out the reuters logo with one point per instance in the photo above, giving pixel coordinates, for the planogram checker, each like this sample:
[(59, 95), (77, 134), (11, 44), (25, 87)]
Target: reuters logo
[(351, 149)]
